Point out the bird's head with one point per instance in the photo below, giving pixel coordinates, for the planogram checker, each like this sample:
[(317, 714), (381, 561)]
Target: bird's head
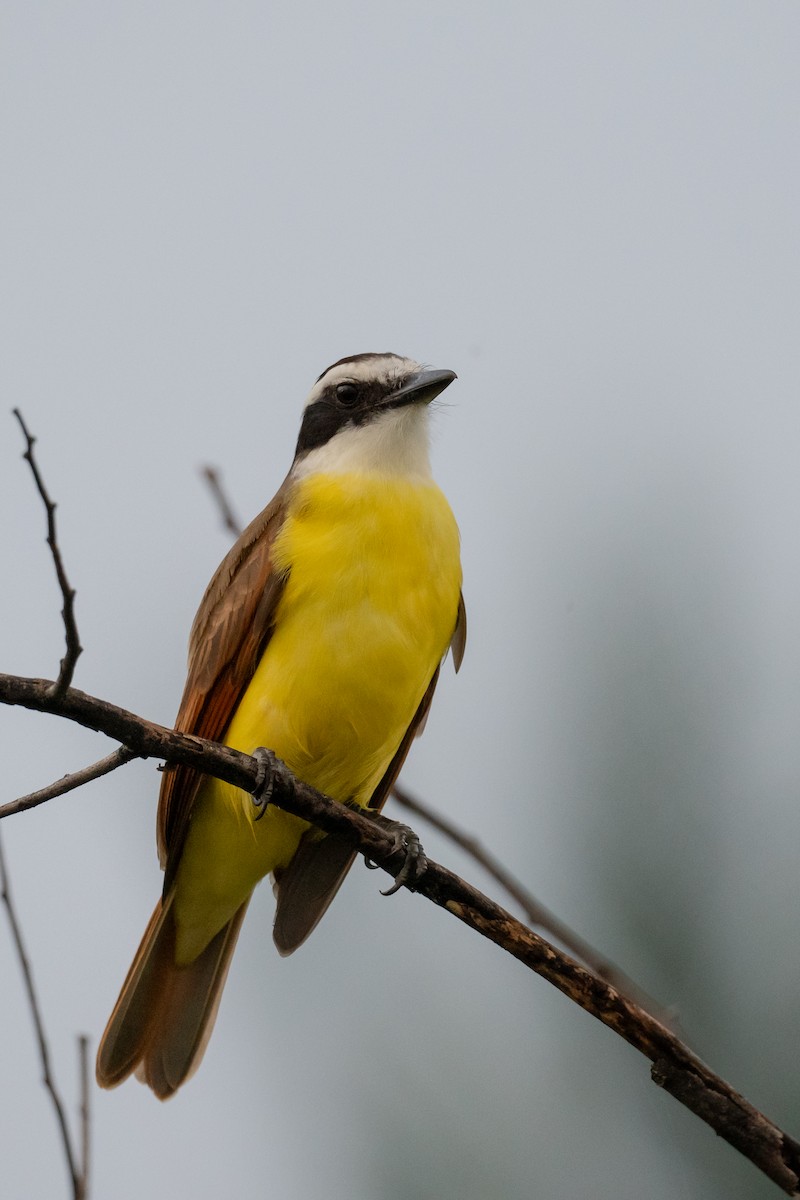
[(369, 412)]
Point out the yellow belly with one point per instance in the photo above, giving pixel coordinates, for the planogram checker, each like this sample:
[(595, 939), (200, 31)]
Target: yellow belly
[(367, 614)]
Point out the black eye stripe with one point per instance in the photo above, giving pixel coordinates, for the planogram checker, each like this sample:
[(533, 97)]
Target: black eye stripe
[(323, 419), (336, 408)]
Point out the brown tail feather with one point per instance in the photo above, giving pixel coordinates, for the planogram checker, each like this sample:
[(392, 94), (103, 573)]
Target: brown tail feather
[(163, 1019), (306, 888)]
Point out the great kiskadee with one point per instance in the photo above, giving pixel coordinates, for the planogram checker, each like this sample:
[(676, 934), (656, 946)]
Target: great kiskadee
[(320, 636)]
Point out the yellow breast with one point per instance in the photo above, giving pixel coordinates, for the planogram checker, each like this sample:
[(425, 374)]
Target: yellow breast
[(367, 613)]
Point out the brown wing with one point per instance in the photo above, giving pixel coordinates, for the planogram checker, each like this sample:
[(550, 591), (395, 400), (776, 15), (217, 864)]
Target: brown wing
[(307, 886), (458, 642), (229, 635)]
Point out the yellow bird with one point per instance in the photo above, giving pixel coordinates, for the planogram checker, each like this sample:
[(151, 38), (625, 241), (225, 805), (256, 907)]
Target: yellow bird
[(320, 636)]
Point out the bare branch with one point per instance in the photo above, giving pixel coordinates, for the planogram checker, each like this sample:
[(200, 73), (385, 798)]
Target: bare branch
[(68, 783), (74, 648), (83, 1062), (144, 738), (76, 1175), (675, 1067), (214, 481), (536, 913)]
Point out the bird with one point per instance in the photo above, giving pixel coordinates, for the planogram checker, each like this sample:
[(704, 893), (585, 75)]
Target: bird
[(320, 636)]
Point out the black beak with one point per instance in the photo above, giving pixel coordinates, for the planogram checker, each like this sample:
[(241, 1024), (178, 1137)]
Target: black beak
[(420, 389)]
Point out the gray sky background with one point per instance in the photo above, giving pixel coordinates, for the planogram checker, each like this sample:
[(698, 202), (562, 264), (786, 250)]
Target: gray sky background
[(590, 212)]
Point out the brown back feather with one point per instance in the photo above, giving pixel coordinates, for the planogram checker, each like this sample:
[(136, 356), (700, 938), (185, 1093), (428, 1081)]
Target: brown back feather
[(230, 633)]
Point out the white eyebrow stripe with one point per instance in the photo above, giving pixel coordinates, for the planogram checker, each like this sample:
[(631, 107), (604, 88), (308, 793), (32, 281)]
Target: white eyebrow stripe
[(387, 369)]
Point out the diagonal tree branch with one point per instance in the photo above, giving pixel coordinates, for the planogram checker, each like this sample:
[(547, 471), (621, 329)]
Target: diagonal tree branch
[(74, 647), (78, 1174), (68, 783), (535, 912), (675, 1067), (214, 481)]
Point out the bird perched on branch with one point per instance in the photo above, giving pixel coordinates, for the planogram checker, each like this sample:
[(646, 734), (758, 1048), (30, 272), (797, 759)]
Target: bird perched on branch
[(320, 636)]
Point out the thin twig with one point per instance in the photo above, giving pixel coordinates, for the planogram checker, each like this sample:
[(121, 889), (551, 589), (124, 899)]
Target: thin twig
[(83, 1057), (535, 912), (675, 1067), (68, 783), (78, 1182), (78, 1174), (214, 481), (74, 648)]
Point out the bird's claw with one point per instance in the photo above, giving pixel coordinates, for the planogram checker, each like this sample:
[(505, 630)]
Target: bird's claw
[(406, 841), (262, 792)]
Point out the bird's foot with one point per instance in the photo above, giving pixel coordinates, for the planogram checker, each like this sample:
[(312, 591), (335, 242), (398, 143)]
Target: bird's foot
[(262, 792), (415, 863)]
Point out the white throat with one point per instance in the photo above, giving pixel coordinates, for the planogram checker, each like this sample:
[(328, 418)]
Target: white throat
[(394, 443)]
